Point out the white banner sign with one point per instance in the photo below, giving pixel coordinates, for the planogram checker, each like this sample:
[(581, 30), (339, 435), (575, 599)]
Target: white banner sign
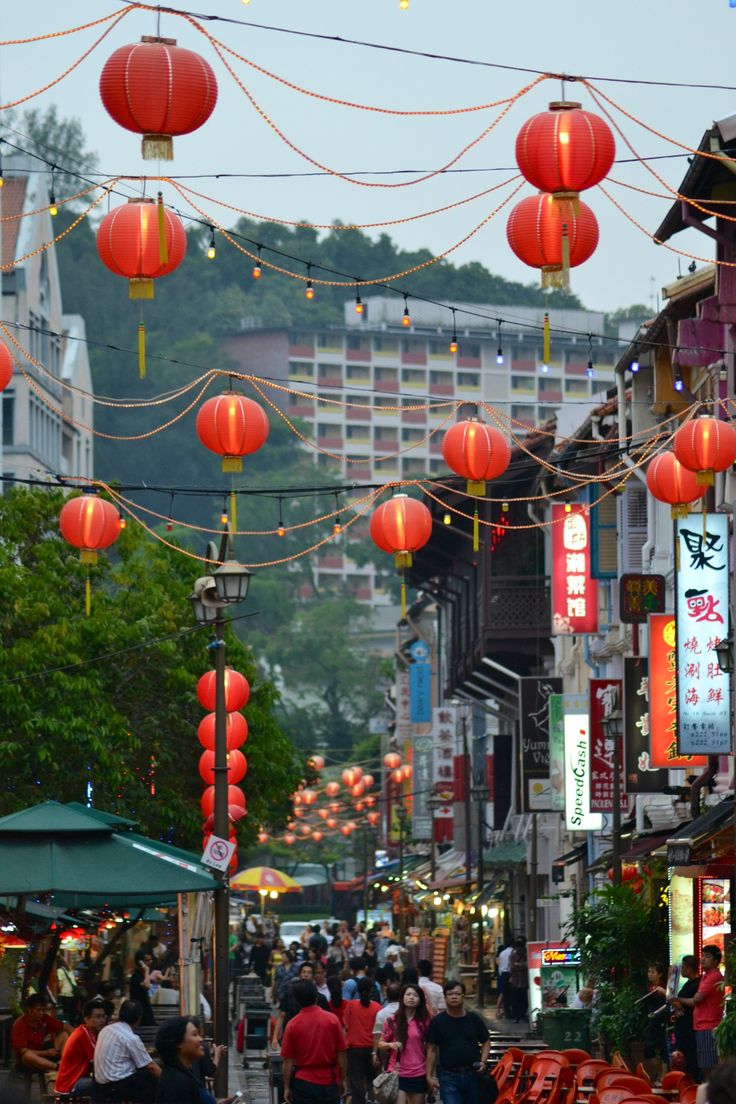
[(218, 853), (578, 817), (703, 708)]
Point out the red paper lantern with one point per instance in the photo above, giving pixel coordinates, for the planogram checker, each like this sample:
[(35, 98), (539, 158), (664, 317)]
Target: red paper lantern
[(262, 837), (235, 796), (401, 526), (296, 798), (128, 243), (352, 775), (373, 818), (232, 426), (705, 445), (305, 830), (346, 830), (6, 366), (368, 780), (359, 806), (317, 835), (289, 838), (237, 767), (236, 728), (323, 813), (358, 789), (316, 762), (89, 523), (237, 690), (669, 482), (407, 771), (234, 814), (334, 806), (332, 789), (397, 775), (331, 822), (536, 233), (309, 796), (476, 451), (392, 760), (565, 150), (370, 800), (160, 90)]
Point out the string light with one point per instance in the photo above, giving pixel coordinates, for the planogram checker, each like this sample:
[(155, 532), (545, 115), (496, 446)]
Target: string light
[(212, 248), (281, 531), (447, 519), (53, 209), (404, 5), (223, 513), (679, 383), (257, 270), (453, 339), (590, 371), (337, 527), (406, 318), (634, 366), (499, 351), (309, 290), (359, 308)]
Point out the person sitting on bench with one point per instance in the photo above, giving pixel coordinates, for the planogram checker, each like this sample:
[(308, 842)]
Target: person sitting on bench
[(124, 1070), (38, 1038)]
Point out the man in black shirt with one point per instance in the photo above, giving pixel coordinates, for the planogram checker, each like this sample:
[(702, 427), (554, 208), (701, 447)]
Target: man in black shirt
[(683, 1023), (458, 1043), (289, 1006)]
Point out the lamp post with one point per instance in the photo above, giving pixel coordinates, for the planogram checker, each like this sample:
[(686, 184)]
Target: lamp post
[(434, 802), (212, 594), (612, 726), (480, 795), (401, 814)]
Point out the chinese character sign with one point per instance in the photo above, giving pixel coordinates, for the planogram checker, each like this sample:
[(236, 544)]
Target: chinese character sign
[(578, 817), (421, 826), (534, 695), (640, 595), (574, 593), (605, 698), (641, 776), (443, 752), (662, 716), (703, 708), (420, 683), (556, 753)]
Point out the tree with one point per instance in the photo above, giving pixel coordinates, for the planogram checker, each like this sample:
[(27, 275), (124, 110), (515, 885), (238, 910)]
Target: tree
[(109, 702), (59, 141)]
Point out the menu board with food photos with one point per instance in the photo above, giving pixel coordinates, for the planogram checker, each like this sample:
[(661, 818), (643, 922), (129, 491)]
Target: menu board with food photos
[(715, 912)]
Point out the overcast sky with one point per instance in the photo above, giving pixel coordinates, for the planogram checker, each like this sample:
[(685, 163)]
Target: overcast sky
[(632, 39)]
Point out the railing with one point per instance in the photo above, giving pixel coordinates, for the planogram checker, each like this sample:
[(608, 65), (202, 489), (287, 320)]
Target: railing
[(519, 604)]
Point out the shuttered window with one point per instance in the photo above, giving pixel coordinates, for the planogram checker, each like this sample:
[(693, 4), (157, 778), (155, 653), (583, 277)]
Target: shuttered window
[(603, 536), (633, 525)]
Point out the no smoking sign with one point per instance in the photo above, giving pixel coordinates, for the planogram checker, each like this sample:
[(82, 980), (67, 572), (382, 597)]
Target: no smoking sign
[(218, 853)]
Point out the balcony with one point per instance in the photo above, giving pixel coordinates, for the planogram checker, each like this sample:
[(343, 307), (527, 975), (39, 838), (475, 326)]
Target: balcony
[(417, 417), (518, 606)]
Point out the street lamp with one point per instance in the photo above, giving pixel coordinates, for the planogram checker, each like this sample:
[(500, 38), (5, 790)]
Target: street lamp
[(480, 795), (211, 596), (612, 726), (724, 654)]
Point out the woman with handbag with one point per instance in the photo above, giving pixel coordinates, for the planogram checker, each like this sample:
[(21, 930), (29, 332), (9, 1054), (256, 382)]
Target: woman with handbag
[(405, 1036)]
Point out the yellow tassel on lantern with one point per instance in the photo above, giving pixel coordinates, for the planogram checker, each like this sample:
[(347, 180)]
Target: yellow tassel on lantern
[(476, 531), (141, 350), (140, 287), (565, 256), (163, 249), (403, 599), (402, 559), (87, 596), (545, 340)]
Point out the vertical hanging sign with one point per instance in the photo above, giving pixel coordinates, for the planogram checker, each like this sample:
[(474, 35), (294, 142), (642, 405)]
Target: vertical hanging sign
[(605, 698), (662, 717), (703, 706), (557, 753), (578, 817), (641, 776), (574, 592)]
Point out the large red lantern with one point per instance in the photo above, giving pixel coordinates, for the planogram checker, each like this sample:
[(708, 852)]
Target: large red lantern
[(130, 244), (6, 365), (160, 90), (705, 445), (237, 690), (391, 760), (669, 482), (401, 526), (89, 523), (551, 235), (237, 767), (477, 451), (235, 796), (565, 150), (232, 426), (236, 727)]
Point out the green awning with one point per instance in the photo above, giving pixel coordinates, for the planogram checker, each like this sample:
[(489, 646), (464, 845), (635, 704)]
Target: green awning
[(506, 854)]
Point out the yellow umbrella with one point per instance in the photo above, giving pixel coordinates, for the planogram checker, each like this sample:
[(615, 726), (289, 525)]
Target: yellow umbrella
[(265, 880)]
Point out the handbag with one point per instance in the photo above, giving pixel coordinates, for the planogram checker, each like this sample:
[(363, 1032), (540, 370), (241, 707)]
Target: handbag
[(386, 1087)]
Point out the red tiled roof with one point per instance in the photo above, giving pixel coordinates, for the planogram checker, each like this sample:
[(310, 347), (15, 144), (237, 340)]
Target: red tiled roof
[(12, 198)]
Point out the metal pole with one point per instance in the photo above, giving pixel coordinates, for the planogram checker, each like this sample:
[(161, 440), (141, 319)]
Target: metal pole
[(401, 872), (533, 888), (479, 907), (365, 877), (222, 896), (616, 850), (433, 874), (468, 807)]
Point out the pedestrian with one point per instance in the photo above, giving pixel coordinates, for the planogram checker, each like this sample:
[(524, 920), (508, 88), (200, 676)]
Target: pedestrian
[(370, 958), (655, 1031), (124, 1070), (432, 991), (503, 970), (260, 954), (314, 1043), (75, 1068), (283, 976), (66, 989), (458, 1046), (405, 1037), (336, 955), (317, 941), (139, 986), (518, 985), (336, 1004), (179, 1046), (320, 980), (350, 988), (359, 1018), (683, 1016), (721, 1087), (288, 1007), (707, 1005)]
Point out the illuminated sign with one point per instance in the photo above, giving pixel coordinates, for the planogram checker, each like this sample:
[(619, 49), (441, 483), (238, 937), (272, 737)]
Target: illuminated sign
[(605, 699), (578, 817), (560, 956), (574, 593), (703, 705), (661, 721)]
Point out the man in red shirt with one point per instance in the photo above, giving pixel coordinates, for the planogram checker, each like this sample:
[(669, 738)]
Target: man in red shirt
[(37, 1038), (315, 1041), (707, 1005), (75, 1071)]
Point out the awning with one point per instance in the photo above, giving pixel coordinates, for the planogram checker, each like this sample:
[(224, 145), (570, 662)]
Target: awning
[(703, 826), (511, 853), (576, 855)]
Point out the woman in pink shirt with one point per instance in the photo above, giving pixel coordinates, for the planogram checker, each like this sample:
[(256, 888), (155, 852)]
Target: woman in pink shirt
[(405, 1035)]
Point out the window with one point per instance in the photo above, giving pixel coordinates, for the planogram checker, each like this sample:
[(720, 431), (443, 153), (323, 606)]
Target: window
[(414, 377), (524, 383), (358, 433), (546, 413), (444, 378), (385, 433), (8, 401), (331, 371), (356, 342), (524, 414), (359, 404), (603, 536), (357, 371), (415, 435), (301, 339), (439, 348), (436, 466), (379, 402), (413, 346), (412, 466), (387, 375), (576, 387), (329, 341), (301, 368), (468, 379), (386, 345)]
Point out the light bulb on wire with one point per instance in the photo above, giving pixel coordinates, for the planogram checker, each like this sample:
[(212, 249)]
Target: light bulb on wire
[(212, 248), (358, 303), (404, 4), (256, 273), (309, 290), (406, 318), (499, 351), (453, 339)]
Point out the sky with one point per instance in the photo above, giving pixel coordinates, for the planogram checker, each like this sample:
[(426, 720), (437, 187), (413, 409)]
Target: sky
[(656, 40)]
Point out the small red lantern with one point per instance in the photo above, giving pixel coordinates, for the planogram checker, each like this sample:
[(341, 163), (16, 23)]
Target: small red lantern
[(332, 789), (358, 789), (299, 812), (237, 690), (373, 818), (316, 762), (368, 779), (236, 728), (296, 798), (317, 835), (549, 234), (160, 90), (6, 366), (331, 822), (392, 760), (237, 767), (359, 806), (235, 796), (705, 445), (565, 150), (370, 800), (309, 796), (352, 775), (232, 426), (476, 451), (407, 771), (334, 806), (401, 526), (669, 482), (262, 837), (346, 830), (89, 523), (323, 814), (130, 244), (289, 838), (397, 775)]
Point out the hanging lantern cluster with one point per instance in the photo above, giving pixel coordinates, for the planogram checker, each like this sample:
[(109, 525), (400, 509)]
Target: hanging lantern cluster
[(668, 481), (478, 452), (89, 523), (237, 692), (401, 527), (562, 152), (705, 445)]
